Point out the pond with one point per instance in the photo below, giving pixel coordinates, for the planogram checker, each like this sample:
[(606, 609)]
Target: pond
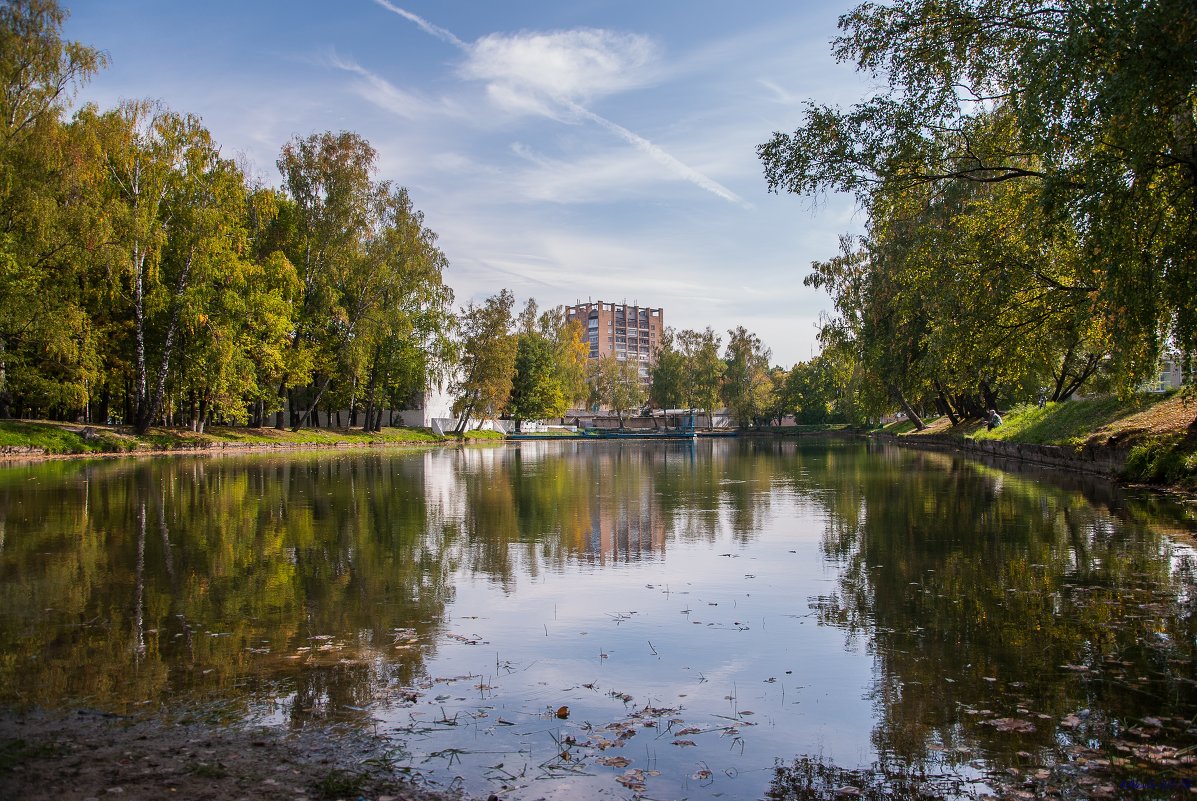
[(743, 619)]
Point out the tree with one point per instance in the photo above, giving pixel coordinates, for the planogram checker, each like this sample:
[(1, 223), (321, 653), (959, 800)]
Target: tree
[(571, 352), (668, 374), (549, 365), (615, 383), (810, 392), (177, 211), (703, 370), (1095, 115), (48, 351), (488, 352), (328, 180), (746, 383), (405, 306)]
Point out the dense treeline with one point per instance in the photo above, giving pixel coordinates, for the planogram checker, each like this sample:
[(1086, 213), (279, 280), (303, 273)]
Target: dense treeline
[(144, 278), (1030, 175)]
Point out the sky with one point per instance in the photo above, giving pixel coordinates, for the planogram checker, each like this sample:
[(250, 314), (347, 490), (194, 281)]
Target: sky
[(568, 151)]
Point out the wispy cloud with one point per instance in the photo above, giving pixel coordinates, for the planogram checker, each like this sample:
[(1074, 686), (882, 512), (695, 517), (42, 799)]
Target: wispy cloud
[(554, 74), (381, 92), (659, 155)]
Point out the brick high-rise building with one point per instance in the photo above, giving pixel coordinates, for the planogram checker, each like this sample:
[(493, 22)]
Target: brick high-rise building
[(629, 332)]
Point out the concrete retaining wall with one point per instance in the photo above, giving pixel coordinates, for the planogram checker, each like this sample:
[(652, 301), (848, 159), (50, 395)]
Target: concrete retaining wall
[(1104, 460)]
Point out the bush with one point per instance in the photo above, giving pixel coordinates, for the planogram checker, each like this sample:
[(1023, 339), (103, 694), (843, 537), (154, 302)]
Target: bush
[(1167, 460)]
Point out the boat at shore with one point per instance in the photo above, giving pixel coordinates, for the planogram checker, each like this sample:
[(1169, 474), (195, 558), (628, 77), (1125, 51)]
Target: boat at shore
[(598, 433)]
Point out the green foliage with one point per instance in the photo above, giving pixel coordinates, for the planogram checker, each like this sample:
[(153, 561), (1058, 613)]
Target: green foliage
[(1031, 179), (810, 392), (488, 359), (144, 278), (1165, 460), (615, 383), (668, 374), (747, 386)]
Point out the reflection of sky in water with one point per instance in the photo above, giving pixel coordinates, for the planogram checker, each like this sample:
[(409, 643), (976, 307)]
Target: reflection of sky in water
[(717, 630), (457, 598), (684, 632)]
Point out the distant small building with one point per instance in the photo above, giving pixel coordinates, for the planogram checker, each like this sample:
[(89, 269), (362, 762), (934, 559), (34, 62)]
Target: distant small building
[(1170, 376)]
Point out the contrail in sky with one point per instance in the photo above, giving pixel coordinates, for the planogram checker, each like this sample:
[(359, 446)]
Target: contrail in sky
[(653, 151), (425, 25), (657, 154)]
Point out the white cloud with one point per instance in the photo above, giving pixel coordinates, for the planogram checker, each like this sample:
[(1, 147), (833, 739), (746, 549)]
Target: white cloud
[(382, 93), (561, 66)]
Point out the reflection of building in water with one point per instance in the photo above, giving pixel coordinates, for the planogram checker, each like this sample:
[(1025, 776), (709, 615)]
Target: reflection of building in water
[(443, 491), (626, 519), (621, 533)]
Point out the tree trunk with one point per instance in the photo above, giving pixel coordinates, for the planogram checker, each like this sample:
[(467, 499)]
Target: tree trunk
[(314, 403), (464, 419), (5, 396), (987, 393), (372, 388), (944, 404), (911, 415), (149, 407), (279, 416)]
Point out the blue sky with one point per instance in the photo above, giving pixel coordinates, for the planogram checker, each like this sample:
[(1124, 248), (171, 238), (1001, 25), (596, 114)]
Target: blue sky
[(565, 150)]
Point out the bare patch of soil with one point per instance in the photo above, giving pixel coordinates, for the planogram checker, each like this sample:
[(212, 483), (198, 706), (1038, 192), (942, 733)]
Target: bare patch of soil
[(77, 756)]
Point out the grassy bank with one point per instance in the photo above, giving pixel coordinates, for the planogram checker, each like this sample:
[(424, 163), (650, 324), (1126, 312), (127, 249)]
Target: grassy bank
[(51, 438), (1160, 432)]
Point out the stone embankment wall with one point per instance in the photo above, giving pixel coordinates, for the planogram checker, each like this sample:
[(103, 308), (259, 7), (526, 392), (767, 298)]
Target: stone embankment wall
[(1104, 459)]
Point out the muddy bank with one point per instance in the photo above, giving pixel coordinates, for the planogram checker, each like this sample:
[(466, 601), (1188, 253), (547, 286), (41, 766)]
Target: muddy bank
[(83, 754)]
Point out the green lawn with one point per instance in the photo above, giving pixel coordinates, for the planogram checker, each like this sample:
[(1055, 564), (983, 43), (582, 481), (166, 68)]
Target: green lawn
[(62, 438), (1068, 423)]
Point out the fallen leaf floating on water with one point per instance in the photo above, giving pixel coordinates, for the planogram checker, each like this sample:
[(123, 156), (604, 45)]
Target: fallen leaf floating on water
[(1070, 722), (685, 742), (614, 762), (1010, 724), (563, 712)]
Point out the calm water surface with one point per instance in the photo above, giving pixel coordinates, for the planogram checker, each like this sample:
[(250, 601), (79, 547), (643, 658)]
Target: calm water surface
[(731, 619)]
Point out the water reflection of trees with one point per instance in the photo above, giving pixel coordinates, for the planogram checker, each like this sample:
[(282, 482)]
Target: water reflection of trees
[(541, 505), (322, 579), (252, 578), (994, 603)]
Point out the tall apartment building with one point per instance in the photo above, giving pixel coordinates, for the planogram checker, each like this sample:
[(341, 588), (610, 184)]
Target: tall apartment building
[(629, 332)]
